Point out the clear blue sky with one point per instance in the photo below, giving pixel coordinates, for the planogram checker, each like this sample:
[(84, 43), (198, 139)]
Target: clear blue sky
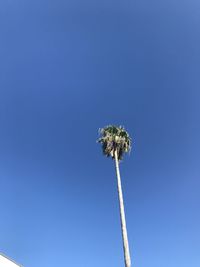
[(68, 68)]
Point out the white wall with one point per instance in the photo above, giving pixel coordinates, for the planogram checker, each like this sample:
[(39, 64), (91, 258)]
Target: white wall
[(4, 262)]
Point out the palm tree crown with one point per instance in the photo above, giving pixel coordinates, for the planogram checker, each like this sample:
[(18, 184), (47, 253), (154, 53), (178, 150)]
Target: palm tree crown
[(114, 138)]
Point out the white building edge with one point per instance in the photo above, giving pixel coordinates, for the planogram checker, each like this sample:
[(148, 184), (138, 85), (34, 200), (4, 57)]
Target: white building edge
[(6, 262)]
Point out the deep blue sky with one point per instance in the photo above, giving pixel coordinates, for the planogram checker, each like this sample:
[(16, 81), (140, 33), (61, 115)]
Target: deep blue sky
[(68, 68)]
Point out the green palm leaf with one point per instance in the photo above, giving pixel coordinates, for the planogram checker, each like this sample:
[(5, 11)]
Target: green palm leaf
[(114, 138)]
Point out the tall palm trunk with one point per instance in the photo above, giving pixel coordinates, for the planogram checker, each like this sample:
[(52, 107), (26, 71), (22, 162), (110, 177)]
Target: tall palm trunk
[(127, 258)]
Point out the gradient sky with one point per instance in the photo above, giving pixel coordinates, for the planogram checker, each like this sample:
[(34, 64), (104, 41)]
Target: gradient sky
[(68, 68)]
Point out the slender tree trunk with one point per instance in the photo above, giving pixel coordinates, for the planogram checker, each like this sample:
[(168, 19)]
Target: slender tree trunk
[(127, 258)]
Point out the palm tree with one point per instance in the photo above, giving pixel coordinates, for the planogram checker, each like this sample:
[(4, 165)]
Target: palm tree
[(115, 142)]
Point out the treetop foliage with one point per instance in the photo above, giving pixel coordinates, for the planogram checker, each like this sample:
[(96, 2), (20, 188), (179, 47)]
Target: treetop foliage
[(114, 138)]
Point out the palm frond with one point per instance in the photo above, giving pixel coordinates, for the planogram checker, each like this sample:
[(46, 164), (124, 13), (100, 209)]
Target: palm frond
[(114, 138)]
